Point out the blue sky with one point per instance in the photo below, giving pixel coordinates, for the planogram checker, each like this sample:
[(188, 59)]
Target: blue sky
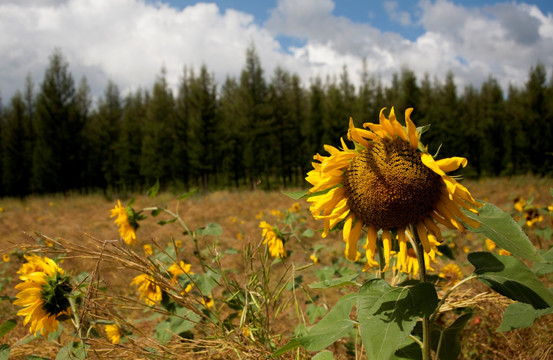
[(130, 41)]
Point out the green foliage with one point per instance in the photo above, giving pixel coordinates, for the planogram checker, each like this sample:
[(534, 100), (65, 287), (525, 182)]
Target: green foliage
[(504, 231), (448, 340), (75, 350), (388, 314), (7, 326), (511, 277), (333, 326), (4, 352), (518, 315)]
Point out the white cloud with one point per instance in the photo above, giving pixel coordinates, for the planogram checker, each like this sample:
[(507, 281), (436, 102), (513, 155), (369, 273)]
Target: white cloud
[(128, 41), (401, 17)]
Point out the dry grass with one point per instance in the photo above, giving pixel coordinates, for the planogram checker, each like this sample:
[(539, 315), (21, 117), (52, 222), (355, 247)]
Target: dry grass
[(81, 224)]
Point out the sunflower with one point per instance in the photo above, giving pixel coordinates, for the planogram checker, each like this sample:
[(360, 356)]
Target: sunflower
[(42, 294), (127, 228), (113, 333), (148, 289), (273, 239), (452, 273), (180, 268), (406, 258), (387, 182)]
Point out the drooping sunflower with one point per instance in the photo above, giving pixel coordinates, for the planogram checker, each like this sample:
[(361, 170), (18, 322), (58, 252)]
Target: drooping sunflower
[(42, 294), (127, 227), (387, 182), (273, 239), (147, 289)]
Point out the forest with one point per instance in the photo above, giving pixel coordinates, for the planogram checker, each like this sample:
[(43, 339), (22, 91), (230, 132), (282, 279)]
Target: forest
[(252, 133)]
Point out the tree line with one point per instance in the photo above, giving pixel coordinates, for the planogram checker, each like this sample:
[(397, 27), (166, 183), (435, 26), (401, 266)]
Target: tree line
[(249, 132)]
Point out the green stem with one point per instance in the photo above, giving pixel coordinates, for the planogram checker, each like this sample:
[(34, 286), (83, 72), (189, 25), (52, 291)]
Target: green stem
[(417, 246), (444, 298)]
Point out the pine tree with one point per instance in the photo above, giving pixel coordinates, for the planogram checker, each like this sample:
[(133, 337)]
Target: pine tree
[(203, 133), (129, 144), (181, 149), (233, 132), (58, 128), (253, 109), (157, 144), (537, 123), (17, 149), (103, 132)]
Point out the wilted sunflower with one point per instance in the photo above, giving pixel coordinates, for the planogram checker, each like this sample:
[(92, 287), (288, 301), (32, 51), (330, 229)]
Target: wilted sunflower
[(148, 289), (387, 181), (42, 294), (127, 225), (273, 239)]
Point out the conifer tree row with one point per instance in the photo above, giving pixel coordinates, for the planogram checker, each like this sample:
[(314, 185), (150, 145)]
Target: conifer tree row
[(249, 132)]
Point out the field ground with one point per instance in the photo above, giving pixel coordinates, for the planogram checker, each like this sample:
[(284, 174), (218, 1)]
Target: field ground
[(81, 219)]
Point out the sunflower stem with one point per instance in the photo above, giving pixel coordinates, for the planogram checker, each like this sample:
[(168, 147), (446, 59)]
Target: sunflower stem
[(417, 246)]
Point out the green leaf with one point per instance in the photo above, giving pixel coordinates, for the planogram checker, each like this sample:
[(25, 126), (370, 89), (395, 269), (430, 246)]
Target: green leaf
[(330, 283), (212, 229), (152, 192), (544, 268), (511, 277), (182, 321), (313, 312), (307, 233), (4, 351), (335, 325), (75, 350), (504, 231), (451, 343), (296, 195), (188, 194), (323, 355), (388, 314), (170, 221), (34, 357), (409, 350), (518, 315), (7, 326), (206, 282)]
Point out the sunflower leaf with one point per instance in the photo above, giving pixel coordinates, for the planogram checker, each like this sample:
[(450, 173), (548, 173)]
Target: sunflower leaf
[(504, 231), (335, 325), (450, 337), (518, 315), (512, 278), (4, 351), (7, 326), (296, 195), (387, 314)]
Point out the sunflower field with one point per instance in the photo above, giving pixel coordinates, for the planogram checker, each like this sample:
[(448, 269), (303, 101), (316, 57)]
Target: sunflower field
[(386, 254)]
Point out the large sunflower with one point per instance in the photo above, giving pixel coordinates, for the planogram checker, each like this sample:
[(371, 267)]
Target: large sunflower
[(42, 294), (387, 182)]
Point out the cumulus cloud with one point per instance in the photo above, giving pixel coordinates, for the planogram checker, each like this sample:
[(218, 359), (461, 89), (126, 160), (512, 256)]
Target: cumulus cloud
[(129, 41)]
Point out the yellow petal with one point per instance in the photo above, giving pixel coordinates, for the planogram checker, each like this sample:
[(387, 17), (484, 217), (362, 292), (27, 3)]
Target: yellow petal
[(451, 164), (411, 129)]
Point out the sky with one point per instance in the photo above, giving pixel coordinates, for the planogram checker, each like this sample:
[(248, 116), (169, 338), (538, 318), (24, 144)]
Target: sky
[(128, 42)]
